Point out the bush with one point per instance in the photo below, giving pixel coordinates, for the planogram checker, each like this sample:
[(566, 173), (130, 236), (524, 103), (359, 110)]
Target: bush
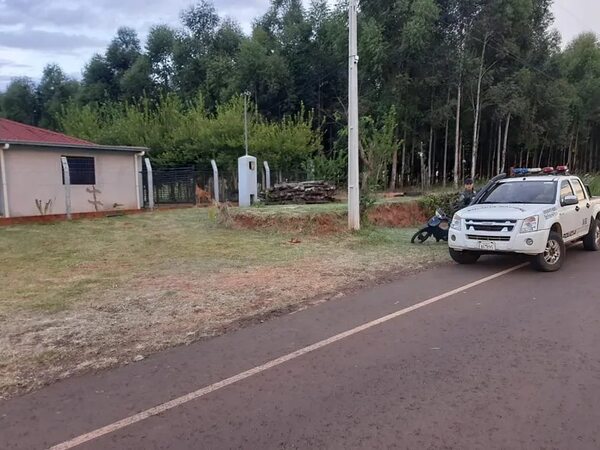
[(446, 202), (593, 181), (367, 201), (221, 214)]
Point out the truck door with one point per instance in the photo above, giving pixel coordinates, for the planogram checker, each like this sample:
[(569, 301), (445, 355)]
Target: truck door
[(583, 209), (569, 217)]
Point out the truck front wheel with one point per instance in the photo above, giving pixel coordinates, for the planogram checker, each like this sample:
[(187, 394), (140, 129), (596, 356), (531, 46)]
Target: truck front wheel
[(464, 257), (591, 241), (553, 257)]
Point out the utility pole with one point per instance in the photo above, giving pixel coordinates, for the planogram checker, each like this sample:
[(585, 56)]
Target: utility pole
[(353, 168), (246, 95)]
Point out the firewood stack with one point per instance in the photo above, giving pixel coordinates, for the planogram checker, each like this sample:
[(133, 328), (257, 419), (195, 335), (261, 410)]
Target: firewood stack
[(306, 192)]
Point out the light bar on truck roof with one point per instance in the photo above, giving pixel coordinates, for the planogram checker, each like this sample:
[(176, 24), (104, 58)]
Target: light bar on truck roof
[(523, 171), (527, 171)]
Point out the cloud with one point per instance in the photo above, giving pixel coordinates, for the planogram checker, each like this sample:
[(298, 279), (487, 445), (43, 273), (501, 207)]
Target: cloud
[(12, 64), (102, 16), (35, 13), (68, 32), (47, 40), (4, 80), (574, 17)]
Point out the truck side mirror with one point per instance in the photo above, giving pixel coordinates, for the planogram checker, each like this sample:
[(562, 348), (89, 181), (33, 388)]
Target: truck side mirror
[(589, 190), (569, 200)]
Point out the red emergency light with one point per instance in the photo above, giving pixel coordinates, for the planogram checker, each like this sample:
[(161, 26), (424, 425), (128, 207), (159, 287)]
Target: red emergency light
[(548, 170)]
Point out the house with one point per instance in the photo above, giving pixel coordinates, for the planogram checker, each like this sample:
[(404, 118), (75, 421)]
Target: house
[(32, 177)]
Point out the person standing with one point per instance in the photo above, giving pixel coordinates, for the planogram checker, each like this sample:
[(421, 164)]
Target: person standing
[(468, 194)]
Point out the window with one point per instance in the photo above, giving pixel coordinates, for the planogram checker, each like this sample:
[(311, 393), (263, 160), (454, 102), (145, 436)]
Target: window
[(566, 189), (579, 190), (527, 192), (82, 170)]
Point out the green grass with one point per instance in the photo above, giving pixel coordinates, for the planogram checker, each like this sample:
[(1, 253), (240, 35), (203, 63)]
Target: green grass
[(52, 267), (297, 210)]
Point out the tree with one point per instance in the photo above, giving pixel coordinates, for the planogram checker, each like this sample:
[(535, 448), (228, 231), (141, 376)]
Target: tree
[(99, 82), (159, 50), (19, 102), (193, 46), (264, 72), (222, 65), (123, 51), (580, 65), (468, 80), (137, 81), (201, 21), (378, 143), (53, 92)]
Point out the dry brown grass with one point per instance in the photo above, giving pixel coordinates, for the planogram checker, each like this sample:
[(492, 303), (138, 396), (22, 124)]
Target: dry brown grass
[(86, 295)]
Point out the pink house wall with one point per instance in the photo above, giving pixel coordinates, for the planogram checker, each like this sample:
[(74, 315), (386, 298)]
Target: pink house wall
[(35, 173)]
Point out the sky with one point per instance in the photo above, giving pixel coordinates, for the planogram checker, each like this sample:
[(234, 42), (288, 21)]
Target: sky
[(34, 33)]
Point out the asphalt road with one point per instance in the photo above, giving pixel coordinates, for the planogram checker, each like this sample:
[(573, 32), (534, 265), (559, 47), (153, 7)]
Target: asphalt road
[(511, 363)]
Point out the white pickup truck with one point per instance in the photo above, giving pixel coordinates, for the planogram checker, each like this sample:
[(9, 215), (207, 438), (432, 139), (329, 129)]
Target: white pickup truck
[(529, 214)]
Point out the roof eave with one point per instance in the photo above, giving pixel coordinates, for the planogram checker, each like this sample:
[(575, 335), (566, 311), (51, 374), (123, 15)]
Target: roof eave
[(110, 148)]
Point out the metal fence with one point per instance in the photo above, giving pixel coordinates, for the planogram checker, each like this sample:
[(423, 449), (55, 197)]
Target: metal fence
[(188, 185)]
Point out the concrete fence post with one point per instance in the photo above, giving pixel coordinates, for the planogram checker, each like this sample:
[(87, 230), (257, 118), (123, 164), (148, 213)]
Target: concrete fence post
[(150, 183), (5, 210), (215, 169), (67, 182), (267, 175)]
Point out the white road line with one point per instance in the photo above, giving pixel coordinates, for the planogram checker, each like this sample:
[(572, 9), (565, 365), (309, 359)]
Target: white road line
[(258, 369)]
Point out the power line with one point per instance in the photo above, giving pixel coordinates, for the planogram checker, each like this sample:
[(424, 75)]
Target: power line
[(517, 58), (572, 14)]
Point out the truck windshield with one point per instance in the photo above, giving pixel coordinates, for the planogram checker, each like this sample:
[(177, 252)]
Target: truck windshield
[(528, 192)]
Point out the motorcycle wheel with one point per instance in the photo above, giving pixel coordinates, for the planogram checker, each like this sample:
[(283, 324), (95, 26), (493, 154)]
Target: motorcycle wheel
[(421, 236)]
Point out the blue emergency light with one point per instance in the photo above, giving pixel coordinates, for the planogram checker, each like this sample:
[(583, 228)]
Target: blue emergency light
[(522, 171)]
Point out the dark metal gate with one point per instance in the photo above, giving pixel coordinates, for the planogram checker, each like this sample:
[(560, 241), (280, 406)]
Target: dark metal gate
[(179, 185)]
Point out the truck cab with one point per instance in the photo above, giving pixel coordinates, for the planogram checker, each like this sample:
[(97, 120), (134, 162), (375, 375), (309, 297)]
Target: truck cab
[(536, 213)]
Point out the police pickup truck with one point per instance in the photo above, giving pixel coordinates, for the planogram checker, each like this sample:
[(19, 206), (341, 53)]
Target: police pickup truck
[(536, 212)]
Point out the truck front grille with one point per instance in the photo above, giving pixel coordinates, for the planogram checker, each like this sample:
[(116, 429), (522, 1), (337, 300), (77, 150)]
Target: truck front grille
[(474, 237), (490, 225)]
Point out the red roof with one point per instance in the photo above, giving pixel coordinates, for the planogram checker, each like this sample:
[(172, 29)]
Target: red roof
[(18, 132)]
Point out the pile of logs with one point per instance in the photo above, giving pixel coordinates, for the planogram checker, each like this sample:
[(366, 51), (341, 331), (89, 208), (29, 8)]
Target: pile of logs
[(305, 192)]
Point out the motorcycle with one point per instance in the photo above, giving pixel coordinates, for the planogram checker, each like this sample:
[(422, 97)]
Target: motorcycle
[(437, 227)]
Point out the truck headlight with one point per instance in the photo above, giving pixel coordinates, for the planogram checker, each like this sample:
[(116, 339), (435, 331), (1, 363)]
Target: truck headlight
[(530, 224), (456, 223)]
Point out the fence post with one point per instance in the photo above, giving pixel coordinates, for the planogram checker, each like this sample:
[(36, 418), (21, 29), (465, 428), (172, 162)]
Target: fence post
[(67, 177), (215, 169), (139, 190), (267, 176), (150, 183)]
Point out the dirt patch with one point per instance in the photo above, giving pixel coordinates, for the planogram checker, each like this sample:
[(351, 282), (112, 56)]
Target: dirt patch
[(326, 223), (400, 215)]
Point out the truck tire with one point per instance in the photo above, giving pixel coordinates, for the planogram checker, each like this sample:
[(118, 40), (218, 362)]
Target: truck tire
[(464, 257), (591, 241), (553, 257)]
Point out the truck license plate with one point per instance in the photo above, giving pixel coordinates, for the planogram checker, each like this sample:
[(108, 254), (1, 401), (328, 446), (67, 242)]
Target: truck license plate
[(488, 246)]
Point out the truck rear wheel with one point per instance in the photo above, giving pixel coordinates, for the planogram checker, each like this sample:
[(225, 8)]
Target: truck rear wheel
[(464, 257), (591, 241), (553, 257)]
